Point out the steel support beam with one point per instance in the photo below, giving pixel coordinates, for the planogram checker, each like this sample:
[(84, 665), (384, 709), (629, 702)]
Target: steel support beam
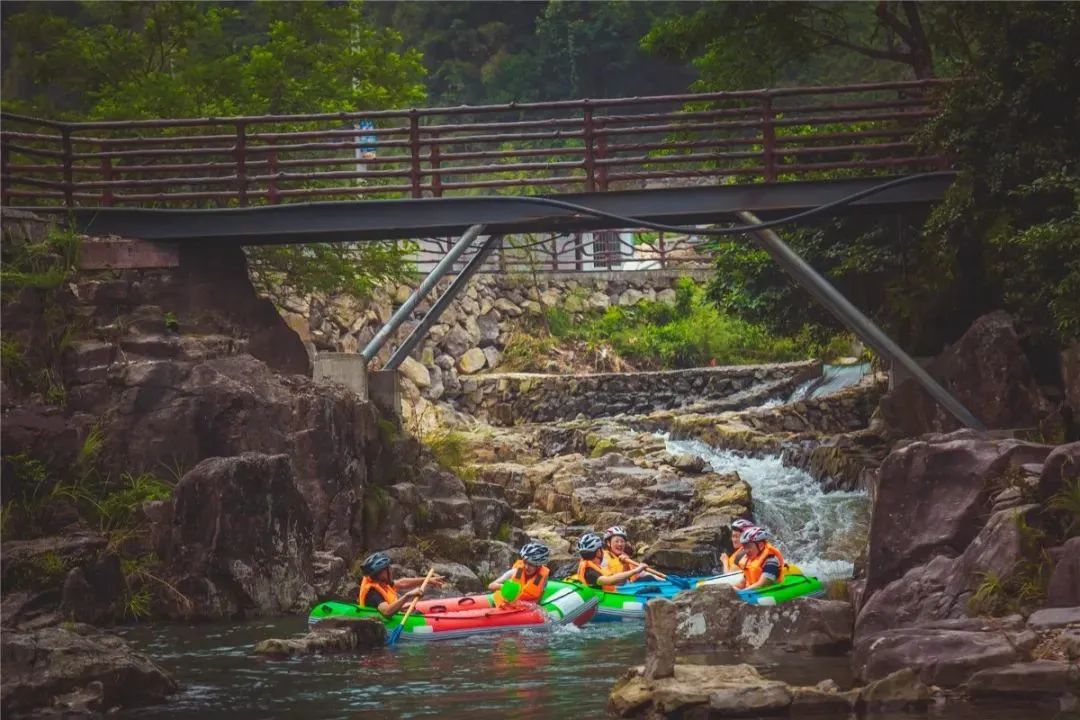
[(853, 319), (442, 303), (433, 277)]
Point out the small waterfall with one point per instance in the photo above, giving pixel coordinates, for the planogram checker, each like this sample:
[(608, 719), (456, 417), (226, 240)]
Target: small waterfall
[(821, 532)]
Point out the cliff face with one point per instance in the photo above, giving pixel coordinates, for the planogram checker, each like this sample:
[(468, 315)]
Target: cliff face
[(206, 473)]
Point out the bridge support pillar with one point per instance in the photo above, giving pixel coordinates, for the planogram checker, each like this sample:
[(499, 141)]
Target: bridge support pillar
[(854, 320), (349, 369), (385, 391)]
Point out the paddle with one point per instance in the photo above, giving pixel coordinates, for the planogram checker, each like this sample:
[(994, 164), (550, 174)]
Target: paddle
[(677, 580), (396, 632)]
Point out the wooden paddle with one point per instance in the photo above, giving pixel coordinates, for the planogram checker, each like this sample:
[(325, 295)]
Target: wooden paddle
[(396, 632)]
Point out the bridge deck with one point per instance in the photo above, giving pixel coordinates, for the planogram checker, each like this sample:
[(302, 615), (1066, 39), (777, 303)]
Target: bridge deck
[(401, 219)]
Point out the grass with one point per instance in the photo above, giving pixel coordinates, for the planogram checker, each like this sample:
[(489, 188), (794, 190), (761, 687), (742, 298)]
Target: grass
[(504, 532), (450, 449), (1066, 501)]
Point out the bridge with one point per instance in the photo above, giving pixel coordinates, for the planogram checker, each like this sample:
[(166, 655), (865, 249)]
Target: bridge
[(681, 159), (572, 165)]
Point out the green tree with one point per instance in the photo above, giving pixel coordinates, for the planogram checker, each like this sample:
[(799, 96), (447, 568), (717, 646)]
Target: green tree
[(114, 60)]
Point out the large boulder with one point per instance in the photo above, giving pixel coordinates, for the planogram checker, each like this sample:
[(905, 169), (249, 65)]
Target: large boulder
[(943, 587), (945, 653), (1031, 681), (986, 370), (714, 616), (334, 635), (933, 497), (1063, 589), (42, 665), (241, 540)]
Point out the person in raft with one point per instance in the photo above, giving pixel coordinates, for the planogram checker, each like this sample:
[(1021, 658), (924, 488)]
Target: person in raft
[(737, 559), (617, 552), (379, 590), (529, 572), (764, 563), (590, 570)]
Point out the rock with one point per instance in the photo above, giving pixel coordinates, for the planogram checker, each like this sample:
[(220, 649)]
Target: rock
[(94, 592), (945, 653), (689, 463), (415, 372), (472, 361), (660, 623), (333, 635), (456, 341), (943, 588), (932, 497), (598, 301), (690, 550), (1029, 680), (1054, 618), (714, 616), (898, 691), (330, 572), (56, 661), (402, 293), (713, 691), (630, 297), (505, 306), (667, 297), (489, 330), (459, 576), (493, 356), (445, 361), (44, 562), (241, 538), (986, 370)]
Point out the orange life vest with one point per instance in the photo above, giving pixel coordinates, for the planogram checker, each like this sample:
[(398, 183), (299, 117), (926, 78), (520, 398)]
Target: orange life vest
[(532, 588), (735, 561), (387, 592), (612, 564), (584, 565), (752, 569)]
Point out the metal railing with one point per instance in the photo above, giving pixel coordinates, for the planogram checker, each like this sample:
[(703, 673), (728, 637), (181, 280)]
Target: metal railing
[(535, 148)]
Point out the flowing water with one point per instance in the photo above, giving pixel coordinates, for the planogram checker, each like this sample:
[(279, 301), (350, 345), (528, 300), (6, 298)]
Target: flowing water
[(562, 674), (821, 532)]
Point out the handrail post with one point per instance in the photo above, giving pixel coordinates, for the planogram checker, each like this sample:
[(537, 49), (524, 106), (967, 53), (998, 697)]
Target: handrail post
[(69, 191), (768, 138), (663, 251), (433, 160), (590, 158), (240, 155), (272, 168), (579, 265), (106, 175), (601, 153), (5, 172), (414, 152)]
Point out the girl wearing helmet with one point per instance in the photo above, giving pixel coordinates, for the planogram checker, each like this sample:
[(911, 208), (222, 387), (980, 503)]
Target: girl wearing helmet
[(737, 559), (764, 563), (617, 552), (530, 572), (591, 572), (379, 590)]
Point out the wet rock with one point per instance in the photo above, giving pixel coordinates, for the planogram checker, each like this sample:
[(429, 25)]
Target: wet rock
[(329, 572), (933, 498), (661, 619), (691, 550), (901, 691), (330, 636), (44, 562), (241, 539), (946, 653), (714, 616), (458, 575), (986, 370), (53, 662), (1028, 681)]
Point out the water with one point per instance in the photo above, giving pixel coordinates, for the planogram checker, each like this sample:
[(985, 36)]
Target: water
[(533, 676), (833, 378), (821, 532)]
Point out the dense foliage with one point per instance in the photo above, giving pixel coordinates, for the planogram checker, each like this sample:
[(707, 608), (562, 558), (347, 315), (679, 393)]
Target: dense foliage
[(182, 59)]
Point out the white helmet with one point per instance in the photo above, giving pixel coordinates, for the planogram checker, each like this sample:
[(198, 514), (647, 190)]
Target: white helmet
[(615, 531), (755, 534)]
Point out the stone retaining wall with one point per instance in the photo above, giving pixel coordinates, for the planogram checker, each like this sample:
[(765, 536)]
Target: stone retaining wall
[(515, 398), (473, 331)]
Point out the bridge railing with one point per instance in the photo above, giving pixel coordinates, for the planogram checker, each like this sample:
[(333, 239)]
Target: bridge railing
[(766, 136)]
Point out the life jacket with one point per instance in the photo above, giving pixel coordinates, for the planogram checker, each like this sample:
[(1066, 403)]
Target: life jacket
[(584, 565), (753, 568), (387, 592), (612, 563), (735, 561), (532, 588)]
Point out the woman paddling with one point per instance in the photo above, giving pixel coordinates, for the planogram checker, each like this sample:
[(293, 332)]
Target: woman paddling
[(590, 570), (379, 590), (529, 573), (617, 553)]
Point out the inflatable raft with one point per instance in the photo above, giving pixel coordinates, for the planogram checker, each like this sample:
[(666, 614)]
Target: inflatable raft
[(794, 585), (444, 619)]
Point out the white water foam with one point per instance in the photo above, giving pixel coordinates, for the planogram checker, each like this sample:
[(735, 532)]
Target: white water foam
[(821, 532)]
